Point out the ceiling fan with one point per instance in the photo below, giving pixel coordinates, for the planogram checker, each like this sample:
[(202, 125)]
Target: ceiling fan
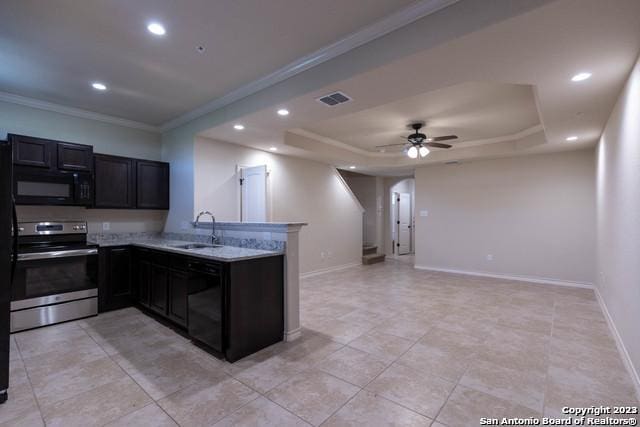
[(418, 142)]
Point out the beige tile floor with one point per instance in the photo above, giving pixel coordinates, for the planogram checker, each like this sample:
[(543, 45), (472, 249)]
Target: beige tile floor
[(383, 345)]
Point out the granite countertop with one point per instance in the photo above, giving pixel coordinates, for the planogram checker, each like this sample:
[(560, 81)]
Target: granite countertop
[(223, 253)]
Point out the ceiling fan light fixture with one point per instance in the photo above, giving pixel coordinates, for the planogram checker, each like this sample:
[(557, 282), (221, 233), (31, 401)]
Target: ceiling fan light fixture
[(412, 152), (423, 151)]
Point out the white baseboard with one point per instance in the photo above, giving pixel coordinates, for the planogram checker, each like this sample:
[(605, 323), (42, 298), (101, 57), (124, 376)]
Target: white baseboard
[(626, 358), (292, 335), (530, 279), (329, 269)]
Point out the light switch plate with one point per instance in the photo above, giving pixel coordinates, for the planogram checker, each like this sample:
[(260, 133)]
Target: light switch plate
[(424, 213)]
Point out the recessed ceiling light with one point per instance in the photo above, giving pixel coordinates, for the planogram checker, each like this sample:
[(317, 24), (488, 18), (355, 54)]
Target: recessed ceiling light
[(98, 86), (352, 167), (273, 148), (283, 112), (156, 28), (580, 77), (572, 138), (238, 126)]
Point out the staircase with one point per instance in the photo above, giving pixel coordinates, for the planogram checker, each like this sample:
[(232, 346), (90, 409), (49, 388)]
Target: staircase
[(370, 255)]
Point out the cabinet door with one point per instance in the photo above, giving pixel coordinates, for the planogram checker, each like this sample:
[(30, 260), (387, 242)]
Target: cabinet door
[(178, 284), (158, 289), (75, 157), (118, 287), (152, 189), (143, 279), (114, 182), (30, 151)]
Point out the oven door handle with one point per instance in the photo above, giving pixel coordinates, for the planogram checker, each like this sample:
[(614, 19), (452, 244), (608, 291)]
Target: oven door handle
[(56, 254)]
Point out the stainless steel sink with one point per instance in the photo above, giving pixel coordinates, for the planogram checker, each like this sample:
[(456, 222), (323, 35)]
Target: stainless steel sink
[(192, 246)]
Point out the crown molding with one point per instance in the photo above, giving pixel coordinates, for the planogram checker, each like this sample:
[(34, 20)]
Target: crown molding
[(75, 112), (409, 14)]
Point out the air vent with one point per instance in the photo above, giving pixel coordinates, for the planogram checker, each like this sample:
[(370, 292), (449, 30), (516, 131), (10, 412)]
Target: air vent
[(334, 99), (452, 162)]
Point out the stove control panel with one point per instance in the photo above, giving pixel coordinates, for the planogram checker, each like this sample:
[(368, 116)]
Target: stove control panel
[(51, 227)]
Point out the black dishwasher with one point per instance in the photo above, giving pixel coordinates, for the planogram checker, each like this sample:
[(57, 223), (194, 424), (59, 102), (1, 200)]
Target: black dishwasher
[(206, 305)]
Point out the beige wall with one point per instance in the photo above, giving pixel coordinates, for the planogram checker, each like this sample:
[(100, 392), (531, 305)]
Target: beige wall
[(105, 138), (618, 217), (368, 190), (120, 220), (298, 190), (534, 214)]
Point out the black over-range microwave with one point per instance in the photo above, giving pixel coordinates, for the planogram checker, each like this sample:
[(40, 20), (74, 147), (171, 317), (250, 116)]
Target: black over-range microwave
[(50, 172), (37, 187)]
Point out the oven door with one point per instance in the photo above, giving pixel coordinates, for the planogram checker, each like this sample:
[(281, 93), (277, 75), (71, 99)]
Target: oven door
[(54, 276), (35, 187)]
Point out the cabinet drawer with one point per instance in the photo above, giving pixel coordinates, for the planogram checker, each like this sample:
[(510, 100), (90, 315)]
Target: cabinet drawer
[(160, 258), (179, 262)]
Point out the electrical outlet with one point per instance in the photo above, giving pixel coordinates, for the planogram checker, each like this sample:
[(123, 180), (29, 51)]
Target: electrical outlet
[(489, 257), (184, 225), (106, 226)]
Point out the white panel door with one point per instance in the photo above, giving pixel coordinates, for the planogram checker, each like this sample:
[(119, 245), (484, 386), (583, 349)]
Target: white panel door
[(404, 223), (254, 194)]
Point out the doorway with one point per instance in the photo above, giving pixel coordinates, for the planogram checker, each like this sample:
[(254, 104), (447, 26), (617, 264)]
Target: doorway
[(400, 217), (253, 193), (403, 222)]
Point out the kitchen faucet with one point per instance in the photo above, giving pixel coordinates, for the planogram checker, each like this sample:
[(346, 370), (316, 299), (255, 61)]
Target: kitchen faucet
[(214, 239)]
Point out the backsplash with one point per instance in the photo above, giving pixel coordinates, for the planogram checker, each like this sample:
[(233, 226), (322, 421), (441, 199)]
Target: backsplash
[(118, 220)]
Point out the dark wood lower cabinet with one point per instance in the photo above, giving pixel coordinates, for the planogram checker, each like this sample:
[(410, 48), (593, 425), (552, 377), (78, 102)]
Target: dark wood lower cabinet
[(177, 304), (245, 308), (143, 267), (158, 289), (115, 282)]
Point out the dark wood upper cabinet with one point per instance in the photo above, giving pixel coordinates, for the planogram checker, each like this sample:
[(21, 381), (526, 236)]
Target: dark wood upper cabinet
[(114, 182), (75, 157), (31, 151), (152, 185)]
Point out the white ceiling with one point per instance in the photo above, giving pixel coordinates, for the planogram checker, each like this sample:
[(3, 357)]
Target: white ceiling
[(472, 111), (52, 50), (537, 51)]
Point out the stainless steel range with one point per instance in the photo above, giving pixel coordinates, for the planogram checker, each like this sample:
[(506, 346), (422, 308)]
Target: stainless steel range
[(56, 274)]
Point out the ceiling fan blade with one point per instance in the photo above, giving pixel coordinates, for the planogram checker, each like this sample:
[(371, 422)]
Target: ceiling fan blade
[(437, 145), (443, 138), (390, 145)]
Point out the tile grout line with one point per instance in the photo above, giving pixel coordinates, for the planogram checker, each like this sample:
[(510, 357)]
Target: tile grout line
[(457, 383), (546, 376), (33, 392), (153, 401), (373, 379)]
